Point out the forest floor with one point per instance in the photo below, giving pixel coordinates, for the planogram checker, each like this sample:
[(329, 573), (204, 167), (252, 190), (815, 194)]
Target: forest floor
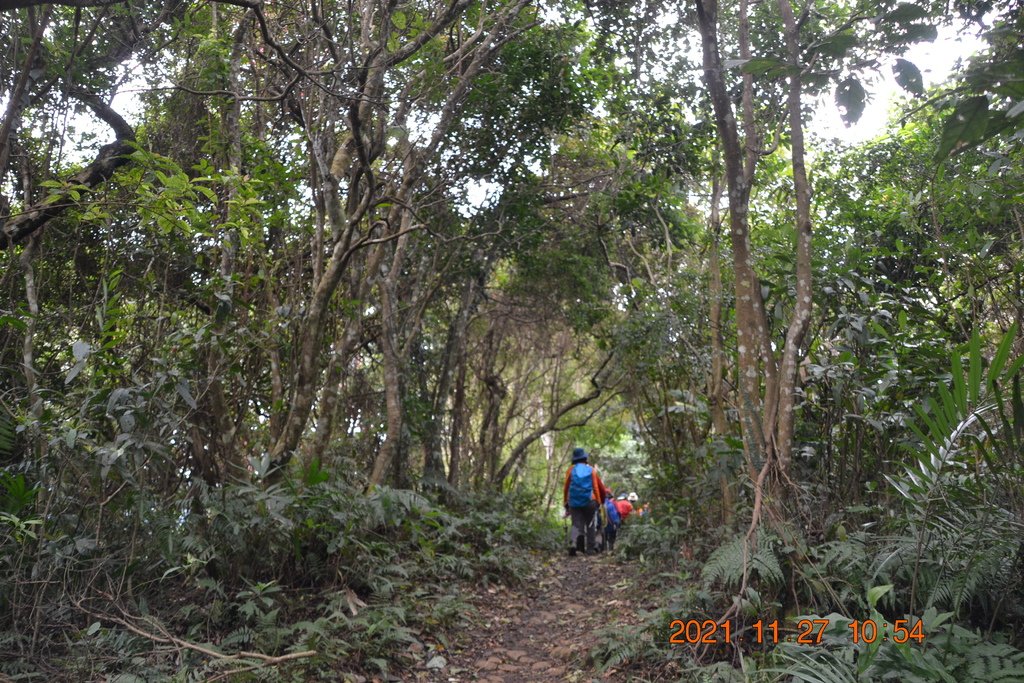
[(541, 631)]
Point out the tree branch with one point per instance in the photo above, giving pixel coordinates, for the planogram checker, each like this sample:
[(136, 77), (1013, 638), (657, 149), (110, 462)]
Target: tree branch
[(167, 638), (551, 424), (111, 157)]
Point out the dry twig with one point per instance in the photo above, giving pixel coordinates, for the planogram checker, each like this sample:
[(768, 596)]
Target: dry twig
[(169, 639)]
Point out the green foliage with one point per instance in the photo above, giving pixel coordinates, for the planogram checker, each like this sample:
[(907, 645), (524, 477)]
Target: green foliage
[(968, 124), (15, 493), (948, 421), (7, 436), (724, 567), (987, 101), (838, 572), (649, 542), (908, 76), (616, 646), (539, 86), (174, 304), (947, 653), (645, 644)]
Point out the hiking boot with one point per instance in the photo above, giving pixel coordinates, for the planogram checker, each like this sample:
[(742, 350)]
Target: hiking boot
[(572, 552), (579, 543)]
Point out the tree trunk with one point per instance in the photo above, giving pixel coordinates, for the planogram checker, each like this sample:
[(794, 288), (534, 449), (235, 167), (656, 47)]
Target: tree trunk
[(217, 423), (453, 362), (368, 126), (458, 417), (394, 359), (801, 320), (329, 403), (16, 100), (749, 326), (716, 382), (35, 399), (767, 427), (551, 424)]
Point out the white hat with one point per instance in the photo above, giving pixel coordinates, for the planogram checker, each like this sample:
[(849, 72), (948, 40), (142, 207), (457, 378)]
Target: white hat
[(633, 497)]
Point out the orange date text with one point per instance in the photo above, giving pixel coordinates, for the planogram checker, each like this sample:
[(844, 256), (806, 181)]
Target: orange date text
[(807, 632)]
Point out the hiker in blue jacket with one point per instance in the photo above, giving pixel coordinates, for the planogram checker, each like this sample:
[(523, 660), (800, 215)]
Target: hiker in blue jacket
[(614, 521), (582, 496)]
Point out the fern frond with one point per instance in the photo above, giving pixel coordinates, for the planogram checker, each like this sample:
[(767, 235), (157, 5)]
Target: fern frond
[(817, 666), (725, 564), (995, 662), (7, 435)]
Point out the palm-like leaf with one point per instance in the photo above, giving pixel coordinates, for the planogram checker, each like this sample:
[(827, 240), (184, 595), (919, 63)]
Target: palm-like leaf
[(957, 414)]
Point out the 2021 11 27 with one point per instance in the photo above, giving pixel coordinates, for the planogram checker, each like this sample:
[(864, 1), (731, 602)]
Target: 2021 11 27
[(804, 632)]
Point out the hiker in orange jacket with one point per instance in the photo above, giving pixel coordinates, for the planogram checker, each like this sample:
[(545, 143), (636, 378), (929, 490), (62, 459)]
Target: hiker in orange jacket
[(582, 496), (624, 507)]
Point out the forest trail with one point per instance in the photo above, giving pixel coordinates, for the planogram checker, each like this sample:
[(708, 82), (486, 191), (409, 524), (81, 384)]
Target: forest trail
[(541, 632)]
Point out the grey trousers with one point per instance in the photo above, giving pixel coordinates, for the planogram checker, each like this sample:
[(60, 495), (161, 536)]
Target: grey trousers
[(581, 518)]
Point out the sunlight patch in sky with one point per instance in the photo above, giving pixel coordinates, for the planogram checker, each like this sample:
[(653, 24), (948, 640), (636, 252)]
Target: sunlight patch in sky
[(936, 60)]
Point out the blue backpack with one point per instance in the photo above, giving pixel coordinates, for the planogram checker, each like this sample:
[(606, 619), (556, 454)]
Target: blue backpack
[(581, 485), (613, 513)]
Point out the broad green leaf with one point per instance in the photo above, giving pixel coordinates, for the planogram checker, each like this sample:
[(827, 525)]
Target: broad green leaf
[(949, 405), (908, 76), (974, 378), (933, 440), (186, 395), (765, 66), (850, 97), (906, 12), (966, 125), (16, 323), (1002, 353), (913, 426), (74, 371), (876, 592), (839, 44), (998, 121)]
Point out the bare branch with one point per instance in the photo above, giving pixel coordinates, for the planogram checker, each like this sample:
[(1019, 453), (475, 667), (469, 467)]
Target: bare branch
[(241, 98), (167, 638), (409, 49), (552, 422), (110, 158)]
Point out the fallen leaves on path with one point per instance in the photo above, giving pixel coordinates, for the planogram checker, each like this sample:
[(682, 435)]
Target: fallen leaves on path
[(542, 632)]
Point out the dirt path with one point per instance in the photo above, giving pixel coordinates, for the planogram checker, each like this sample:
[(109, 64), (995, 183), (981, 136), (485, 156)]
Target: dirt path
[(541, 632)]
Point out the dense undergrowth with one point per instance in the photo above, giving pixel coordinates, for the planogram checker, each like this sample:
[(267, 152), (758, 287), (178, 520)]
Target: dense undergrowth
[(313, 577), (937, 549), (962, 580)]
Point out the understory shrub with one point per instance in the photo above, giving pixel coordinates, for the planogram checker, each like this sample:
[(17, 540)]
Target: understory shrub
[(278, 570)]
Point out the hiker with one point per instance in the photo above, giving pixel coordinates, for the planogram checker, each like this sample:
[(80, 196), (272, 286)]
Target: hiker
[(624, 507), (641, 511), (582, 496), (614, 521)]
